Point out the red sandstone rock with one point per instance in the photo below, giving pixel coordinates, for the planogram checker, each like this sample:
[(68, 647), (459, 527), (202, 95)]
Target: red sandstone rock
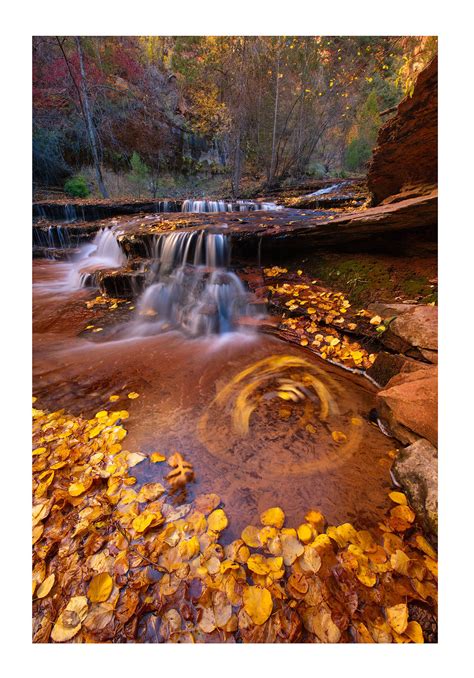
[(416, 328), (405, 159), (409, 405)]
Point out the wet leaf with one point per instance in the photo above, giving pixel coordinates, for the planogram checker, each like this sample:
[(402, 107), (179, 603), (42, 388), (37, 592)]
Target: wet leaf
[(398, 498), (273, 517), (217, 520), (132, 395), (258, 603)]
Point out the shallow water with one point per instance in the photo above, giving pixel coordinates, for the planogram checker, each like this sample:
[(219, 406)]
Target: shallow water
[(288, 457)]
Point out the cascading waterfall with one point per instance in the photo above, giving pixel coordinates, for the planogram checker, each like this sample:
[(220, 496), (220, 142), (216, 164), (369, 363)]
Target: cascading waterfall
[(224, 206), (53, 236), (325, 191), (190, 287), (103, 253)]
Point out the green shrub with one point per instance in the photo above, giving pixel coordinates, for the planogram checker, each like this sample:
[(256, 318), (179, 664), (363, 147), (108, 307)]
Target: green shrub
[(77, 187), (358, 154), (140, 172)]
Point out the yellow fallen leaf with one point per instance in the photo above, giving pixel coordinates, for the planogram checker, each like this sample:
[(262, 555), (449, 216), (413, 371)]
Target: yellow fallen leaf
[(150, 492), (316, 519), (70, 620), (292, 548), (403, 513), (339, 437), (132, 395), (100, 587), (250, 535), (305, 533), (400, 562), (398, 498), (258, 603), (258, 564), (217, 520), (157, 457), (76, 489), (397, 617), (425, 546), (414, 632), (304, 342), (274, 517), (46, 586), (141, 522), (114, 398), (189, 548), (376, 320), (38, 451)]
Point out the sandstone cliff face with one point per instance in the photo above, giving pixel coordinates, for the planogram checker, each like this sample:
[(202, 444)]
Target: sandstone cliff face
[(405, 160)]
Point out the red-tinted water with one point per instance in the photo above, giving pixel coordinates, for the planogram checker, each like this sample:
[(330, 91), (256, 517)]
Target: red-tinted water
[(287, 458)]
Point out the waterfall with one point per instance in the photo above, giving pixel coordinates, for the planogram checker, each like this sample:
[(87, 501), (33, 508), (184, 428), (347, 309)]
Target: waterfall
[(190, 287), (324, 191), (52, 236), (104, 252), (223, 206)]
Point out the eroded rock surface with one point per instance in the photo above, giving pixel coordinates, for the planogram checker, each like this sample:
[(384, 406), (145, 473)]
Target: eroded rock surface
[(416, 328), (405, 160), (409, 404), (416, 469)]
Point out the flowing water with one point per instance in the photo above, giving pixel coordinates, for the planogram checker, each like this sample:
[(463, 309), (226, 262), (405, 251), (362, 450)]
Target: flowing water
[(103, 253), (225, 206), (213, 396)]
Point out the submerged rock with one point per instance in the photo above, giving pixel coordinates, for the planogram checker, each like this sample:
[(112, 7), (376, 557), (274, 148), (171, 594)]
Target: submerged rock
[(416, 469), (409, 405)]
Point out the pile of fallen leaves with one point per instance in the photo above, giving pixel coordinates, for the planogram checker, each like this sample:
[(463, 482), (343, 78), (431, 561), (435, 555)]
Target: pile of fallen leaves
[(319, 318), (115, 561)]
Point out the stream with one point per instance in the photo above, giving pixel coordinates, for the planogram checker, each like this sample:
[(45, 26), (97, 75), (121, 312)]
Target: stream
[(209, 385)]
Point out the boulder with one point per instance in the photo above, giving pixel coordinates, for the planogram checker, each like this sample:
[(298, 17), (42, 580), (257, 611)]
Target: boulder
[(405, 160), (409, 405), (388, 365), (416, 469), (416, 329), (386, 310)]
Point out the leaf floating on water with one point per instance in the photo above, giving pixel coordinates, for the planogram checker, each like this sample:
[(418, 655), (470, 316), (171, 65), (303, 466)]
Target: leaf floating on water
[(182, 472), (250, 535), (114, 398), (398, 498), (156, 457), (100, 587), (217, 520), (274, 517), (132, 395), (339, 437)]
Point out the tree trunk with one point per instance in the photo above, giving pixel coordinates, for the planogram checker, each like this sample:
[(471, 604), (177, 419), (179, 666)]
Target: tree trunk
[(237, 171), (271, 174), (89, 123)]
